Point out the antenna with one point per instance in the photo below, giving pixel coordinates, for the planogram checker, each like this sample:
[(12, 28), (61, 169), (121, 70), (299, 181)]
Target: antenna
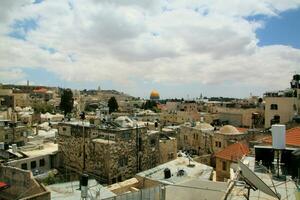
[(254, 182)]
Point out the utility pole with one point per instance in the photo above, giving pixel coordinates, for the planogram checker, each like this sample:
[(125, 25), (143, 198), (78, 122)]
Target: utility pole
[(82, 117)]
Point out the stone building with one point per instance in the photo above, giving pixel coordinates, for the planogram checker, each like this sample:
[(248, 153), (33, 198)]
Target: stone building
[(196, 138), (283, 106), (178, 117), (13, 132), (227, 159), (242, 117), (228, 135), (111, 153), (21, 185), (167, 148)]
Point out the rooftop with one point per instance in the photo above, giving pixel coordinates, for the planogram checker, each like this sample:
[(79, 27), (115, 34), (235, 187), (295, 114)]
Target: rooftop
[(69, 191), (195, 170), (286, 189), (233, 152), (292, 137), (46, 148)]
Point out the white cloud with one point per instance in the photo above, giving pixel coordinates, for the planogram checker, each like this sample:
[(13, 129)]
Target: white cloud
[(11, 75), (208, 42)]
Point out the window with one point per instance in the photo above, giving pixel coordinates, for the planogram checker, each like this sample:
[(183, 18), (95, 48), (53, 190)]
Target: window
[(153, 142), (114, 180), (275, 120), (123, 161), (218, 144), (24, 166), (170, 156), (6, 136), (119, 178), (33, 164), (42, 162), (224, 167), (127, 135), (64, 129), (185, 137), (274, 107), (140, 144)]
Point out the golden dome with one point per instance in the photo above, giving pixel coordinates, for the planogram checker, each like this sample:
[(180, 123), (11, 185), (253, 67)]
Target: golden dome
[(154, 95)]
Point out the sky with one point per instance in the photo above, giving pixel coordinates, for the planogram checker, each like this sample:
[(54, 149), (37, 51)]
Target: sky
[(182, 49)]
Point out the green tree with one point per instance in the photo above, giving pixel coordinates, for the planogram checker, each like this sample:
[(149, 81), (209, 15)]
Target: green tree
[(66, 101), (151, 105), (113, 104), (42, 107)]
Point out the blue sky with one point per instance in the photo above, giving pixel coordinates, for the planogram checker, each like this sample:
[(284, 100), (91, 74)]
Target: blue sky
[(190, 50), (284, 30)]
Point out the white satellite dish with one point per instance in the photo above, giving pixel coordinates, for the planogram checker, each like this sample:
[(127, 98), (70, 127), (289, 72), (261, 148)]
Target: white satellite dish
[(255, 182)]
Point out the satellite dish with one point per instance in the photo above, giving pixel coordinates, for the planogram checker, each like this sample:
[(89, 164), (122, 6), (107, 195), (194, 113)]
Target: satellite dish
[(255, 182)]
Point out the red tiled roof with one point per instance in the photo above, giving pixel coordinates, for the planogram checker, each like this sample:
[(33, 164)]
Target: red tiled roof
[(292, 137), (233, 152), (242, 130), (40, 90)]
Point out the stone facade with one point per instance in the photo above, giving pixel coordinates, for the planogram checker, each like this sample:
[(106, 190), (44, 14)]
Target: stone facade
[(178, 117), (283, 107), (196, 138), (22, 185), (167, 148), (13, 133), (111, 154), (222, 169)]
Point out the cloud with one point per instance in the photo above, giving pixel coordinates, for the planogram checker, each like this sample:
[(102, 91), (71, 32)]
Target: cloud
[(166, 42), (11, 75)]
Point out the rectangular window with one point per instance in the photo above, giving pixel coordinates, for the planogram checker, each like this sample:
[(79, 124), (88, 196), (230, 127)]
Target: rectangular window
[(126, 135), (33, 164), (24, 166), (220, 144), (152, 142), (123, 161), (274, 107), (224, 167), (64, 129), (42, 162)]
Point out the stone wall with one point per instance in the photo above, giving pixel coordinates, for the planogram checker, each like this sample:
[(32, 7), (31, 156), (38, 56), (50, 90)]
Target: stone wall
[(168, 150), (111, 155), (222, 174), (195, 140), (22, 185)]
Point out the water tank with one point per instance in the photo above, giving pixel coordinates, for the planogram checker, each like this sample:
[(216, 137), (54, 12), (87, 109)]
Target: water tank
[(14, 148), (84, 185), (2, 145), (278, 136), (167, 173)]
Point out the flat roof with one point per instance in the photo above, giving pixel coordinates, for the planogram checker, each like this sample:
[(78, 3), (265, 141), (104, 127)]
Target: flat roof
[(70, 190), (198, 170), (48, 148), (286, 189)]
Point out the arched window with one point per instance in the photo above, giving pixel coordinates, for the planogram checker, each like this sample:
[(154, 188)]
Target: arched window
[(274, 107)]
